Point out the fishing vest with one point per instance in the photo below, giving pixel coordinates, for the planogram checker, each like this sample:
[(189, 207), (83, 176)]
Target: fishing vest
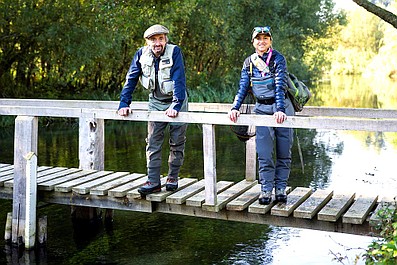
[(263, 87), (148, 77)]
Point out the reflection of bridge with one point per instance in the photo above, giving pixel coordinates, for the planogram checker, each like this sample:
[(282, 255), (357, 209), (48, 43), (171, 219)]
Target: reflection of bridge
[(92, 186)]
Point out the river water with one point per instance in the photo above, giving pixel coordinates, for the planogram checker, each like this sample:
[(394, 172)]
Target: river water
[(338, 160)]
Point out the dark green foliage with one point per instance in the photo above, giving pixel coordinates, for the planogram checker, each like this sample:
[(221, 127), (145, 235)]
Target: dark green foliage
[(82, 49), (384, 250)]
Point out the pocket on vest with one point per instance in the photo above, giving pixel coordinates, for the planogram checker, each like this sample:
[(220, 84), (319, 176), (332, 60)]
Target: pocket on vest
[(167, 87), (263, 87)]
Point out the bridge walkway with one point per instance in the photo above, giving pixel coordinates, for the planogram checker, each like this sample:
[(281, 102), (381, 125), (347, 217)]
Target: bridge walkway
[(324, 210)]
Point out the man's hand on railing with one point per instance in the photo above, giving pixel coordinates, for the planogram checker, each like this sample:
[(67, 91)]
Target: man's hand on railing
[(170, 112)]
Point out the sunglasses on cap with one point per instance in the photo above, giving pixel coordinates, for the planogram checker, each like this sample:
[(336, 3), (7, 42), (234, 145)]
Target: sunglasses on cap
[(261, 29)]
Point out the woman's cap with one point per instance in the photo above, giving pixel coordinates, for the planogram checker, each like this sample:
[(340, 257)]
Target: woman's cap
[(261, 30)]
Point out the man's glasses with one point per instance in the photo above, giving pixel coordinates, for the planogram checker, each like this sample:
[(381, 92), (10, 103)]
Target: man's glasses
[(262, 29)]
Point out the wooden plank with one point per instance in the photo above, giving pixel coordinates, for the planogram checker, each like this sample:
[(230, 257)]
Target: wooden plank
[(181, 196), (43, 168), (198, 199), (134, 194), (104, 188), (309, 208), (263, 209), (122, 190), (229, 195), (360, 209), (6, 178), (295, 198), (162, 195), (57, 175), (67, 186), (335, 207), (196, 107), (299, 121), (386, 204), (85, 187), (245, 199), (49, 185), (50, 171), (10, 183), (6, 167), (6, 172)]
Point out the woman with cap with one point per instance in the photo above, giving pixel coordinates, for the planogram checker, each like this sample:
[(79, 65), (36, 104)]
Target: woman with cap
[(159, 67), (265, 73)]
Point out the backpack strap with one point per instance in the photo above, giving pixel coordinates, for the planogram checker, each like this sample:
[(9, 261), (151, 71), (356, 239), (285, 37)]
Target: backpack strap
[(248, 65), (250, 74)]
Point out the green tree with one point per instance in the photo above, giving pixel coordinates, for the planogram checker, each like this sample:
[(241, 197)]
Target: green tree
[(63, 49)]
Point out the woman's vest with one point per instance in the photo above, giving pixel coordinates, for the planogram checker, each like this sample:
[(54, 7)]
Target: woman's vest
[(263, 87), (148, 77)]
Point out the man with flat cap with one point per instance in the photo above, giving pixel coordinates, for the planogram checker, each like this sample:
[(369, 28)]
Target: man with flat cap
[(159, 68)]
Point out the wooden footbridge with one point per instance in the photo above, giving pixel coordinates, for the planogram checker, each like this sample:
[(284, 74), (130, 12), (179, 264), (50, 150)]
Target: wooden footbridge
[(91, 185)]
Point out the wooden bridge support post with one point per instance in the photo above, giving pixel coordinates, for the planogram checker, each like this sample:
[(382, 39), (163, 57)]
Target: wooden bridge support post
[(91, 156), (31, 200), (209, 151), (250, 159), (25, 141), (91, 143)]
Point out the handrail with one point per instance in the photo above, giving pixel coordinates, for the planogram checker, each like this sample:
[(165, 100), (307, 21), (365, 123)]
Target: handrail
[(307, 122), (199, 107)]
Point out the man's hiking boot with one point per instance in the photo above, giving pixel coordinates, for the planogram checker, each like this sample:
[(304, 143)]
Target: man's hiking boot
[(149, 187), (172, 184), (265, 197), (281, 196)]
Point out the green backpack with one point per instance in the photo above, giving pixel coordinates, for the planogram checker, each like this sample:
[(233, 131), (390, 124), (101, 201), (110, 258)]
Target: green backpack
[(298, 92)]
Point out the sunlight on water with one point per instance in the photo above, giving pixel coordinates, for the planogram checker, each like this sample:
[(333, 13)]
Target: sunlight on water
[(368, 170)]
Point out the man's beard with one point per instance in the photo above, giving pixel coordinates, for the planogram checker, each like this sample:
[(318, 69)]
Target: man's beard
[(158, 50)]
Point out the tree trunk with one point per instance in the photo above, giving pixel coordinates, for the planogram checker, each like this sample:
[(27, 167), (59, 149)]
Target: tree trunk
[(387, 16)]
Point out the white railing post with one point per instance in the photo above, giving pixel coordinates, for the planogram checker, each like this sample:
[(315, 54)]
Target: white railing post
[(209, 151), (250, 159), (25, 141), (31, 199)]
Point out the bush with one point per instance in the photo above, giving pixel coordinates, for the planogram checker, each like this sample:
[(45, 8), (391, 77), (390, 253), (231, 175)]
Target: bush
[(384, 250)]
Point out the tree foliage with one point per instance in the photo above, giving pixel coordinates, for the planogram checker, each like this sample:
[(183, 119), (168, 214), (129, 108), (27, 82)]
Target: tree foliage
[(62, 49), (356, 50)]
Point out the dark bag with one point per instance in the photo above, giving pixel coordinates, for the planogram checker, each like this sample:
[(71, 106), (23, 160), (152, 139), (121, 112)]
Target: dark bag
[(298, 92), (245, 132)]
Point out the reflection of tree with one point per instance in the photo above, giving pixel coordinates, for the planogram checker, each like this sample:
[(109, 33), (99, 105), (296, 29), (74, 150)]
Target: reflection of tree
[(7, 145), (316, 153), (125, 146), (354, 92), (58, 144)]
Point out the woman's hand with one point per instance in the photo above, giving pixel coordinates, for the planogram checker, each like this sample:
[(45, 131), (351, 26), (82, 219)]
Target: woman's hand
[(233, 115), (279, 116)]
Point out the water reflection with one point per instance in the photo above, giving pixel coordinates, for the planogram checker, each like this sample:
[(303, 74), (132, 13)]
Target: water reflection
[(355, 92)]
